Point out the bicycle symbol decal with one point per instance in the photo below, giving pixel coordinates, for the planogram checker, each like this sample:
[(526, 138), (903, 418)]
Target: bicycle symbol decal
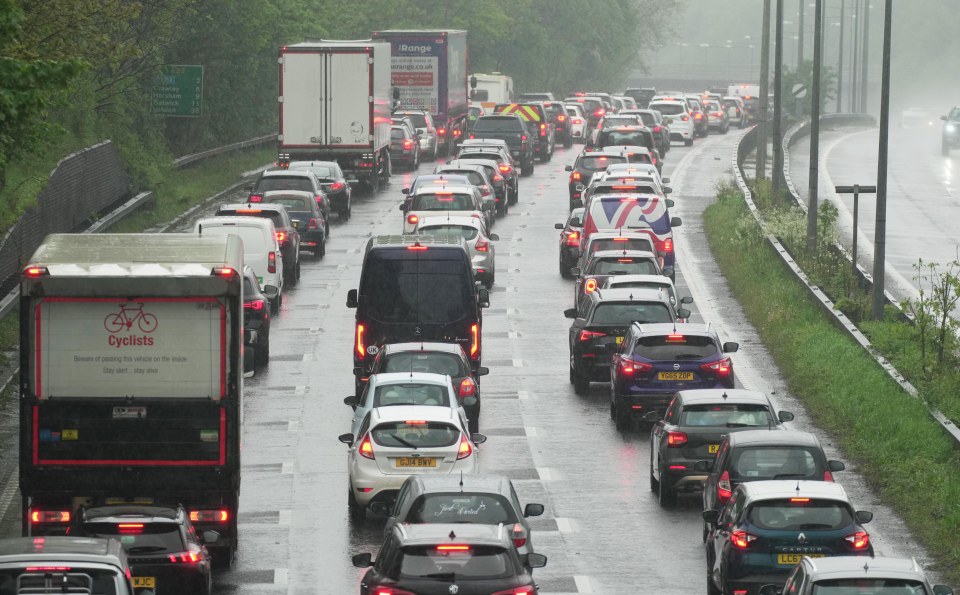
[(129, 314)]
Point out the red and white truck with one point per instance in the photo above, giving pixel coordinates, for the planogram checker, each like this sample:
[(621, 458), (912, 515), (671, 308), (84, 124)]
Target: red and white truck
[(335, 105)]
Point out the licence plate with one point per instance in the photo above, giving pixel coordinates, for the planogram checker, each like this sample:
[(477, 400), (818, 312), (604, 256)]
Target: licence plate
[(674, 375), (144, 582), (619, 340), (794, 559), (713, 448), (416, 462)]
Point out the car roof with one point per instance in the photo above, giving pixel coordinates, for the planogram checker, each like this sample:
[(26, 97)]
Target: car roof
[(599, 254), (271, 193), (606, 234), (461, 166), (680, 328), (404, 412), (464, 189), (299, 164), (455, 178), (468, 161), (659, 279), (286, 172), (385, 378), (441, 533), (841, 567), (632, 294), (262, 206), (471, 483), (722, 395), (238, 221), (776, 489), (392, 348), (428, 221), (59, 548), (782, 438)]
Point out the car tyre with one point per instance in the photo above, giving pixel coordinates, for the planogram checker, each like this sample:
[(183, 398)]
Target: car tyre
[(711, 588), (567, 142), (688, 142), (666, 496), (276, 303), (261, 355), (298, 269), (581, 383), (622, 419), (473, 424), (356, 511), (654, 484)]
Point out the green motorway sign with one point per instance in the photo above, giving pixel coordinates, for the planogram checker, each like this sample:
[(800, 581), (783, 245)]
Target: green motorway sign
[(177, 90)]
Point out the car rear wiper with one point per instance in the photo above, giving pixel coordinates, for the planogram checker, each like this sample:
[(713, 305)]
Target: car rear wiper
[(146, 549), (789, 475), (734, 424), (443, 576), (809, 526), (403, 442), (688, 356)]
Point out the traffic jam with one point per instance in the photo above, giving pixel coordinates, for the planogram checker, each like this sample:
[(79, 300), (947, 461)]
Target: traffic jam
[(447, 235)]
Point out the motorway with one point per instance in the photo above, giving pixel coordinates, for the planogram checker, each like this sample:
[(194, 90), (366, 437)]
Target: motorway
[(603, 530), (923, 192)]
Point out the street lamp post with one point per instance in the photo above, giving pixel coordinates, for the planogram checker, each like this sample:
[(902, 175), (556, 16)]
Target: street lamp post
[(777, 104), (880, 228), (814, 180), (803, 9), (865, 61), (761, 172), (843, 12)]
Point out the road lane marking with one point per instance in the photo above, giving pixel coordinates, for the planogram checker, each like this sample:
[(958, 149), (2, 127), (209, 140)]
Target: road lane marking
[(293, 425), (285, 517), (513, 335), (565, 525), (286, 468), (583, 583), (530, 431), (523, 395), (548, 473), (280, 576), (518, 363)]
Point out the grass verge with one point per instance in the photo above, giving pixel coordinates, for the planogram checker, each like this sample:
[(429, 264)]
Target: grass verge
[(902, 452)]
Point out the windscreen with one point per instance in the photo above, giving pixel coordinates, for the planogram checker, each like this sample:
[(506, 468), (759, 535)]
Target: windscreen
[(712, 106), (624, 266), (868, 586), (146, 538), (442, 201), (397, 134), (411, 394), (482, 509), (494, 124), (669, 109), (800, 514), (675, 347), (730, 103), (775, 462), (643, 94), (726, 415), (620, 121), (434, 362), (293, 203), (622, 137), (419, 120), (269, 183), (464, 231), (475, 562), (415, 290), (625, 314), (598, 162), (415, 434), (600, 244)]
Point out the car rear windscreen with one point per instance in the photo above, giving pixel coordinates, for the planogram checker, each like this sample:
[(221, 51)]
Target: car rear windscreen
[(419, 120), (675, 347), (464, 231), (775, 462), (622, 137), (398, 289), (621, 244), (433, 362), (397, 134), (293, 203), (497, 124), (475, 177), (598, 162), (411, 394), (269, 183), (139, 538), (589, 105), (482, 509), (442, 201), (475, 562), (800, 514), (669, 109), (623, 266), (726, 415), (624, 314), (648, 119), (76, 578), (868, 586), (415, 434), (621, 121)]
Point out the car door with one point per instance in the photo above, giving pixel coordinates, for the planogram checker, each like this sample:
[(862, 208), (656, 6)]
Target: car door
[(363, 408), (659, 430), (719, 537)]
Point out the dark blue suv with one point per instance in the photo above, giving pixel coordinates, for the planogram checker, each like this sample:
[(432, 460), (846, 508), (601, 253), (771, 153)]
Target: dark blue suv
[(654, 361)]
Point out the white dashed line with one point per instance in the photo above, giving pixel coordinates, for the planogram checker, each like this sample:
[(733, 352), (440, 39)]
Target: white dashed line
[(548, 473), (583, 583), (518, 363), (301, 390), (285, 517), (523, 395), (513, 335), (280, 576), (293, 425), (565, 525), (530, 431), (286, 468)]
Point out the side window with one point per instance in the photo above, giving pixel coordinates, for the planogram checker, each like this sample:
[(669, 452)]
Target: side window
[(385, 555), (726, 514), (794, 581), (364, 426), (722, 457), (586, 309), (401, 496), (515, 501), (673, 411)]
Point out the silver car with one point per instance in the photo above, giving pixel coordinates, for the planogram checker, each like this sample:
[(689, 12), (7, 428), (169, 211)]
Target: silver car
[(479, 241), (426, 131)]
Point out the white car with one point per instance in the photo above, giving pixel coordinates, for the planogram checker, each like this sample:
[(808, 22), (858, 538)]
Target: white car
[(393, 443), (578, 121), (451, 200), (479, 242), (677, 115), (652, 281), (261, 250)]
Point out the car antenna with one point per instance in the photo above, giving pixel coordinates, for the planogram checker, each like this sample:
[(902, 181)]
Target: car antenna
[(798, 487), (452, 535), (724, 395)]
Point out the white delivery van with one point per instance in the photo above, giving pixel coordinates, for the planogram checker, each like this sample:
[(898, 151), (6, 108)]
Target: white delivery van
[(260, 249)]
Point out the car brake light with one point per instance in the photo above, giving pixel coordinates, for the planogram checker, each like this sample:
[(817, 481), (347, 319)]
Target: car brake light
[(684, 117), (336, 186), (543, 130), (523, 137), (741, 539), (57, 569), (441, 131), (472, 136), (561, 118), (590, 286), (210, 516), (312, 224), (519, 535), (453, 548), (859, 540), (827, 476), (504, 168), (573, 238), (475, 343), (465, 449), (724, 491), (130, 528), (599, 113), (185, 557), (527, 590), (576, 176), (468, 387), (497, 178), (482, 246), (255, 305), (50, 516), (34, 272), (722, 368), (407, 145), (667, 245), (656, 129), (389, 591), (366, 448), (272, 262), (676, 439), (361, 348), (281, 236), (587, 335), (412, 219), (255, 198)]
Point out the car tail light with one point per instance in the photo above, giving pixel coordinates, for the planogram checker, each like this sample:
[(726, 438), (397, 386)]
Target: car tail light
[(667, 245), (741, 539), (519, 535), (457, 133), (281, 236), (561, 118), (413, 219), (210, 516), (858, 541), (656, 129), (523, 137), (272, 262), (543, 130), (482, 246), (34, 272), (684, 117), (505, 168), (497, 178), (255, 198), (724, 491), (366, 448), (255, 305), (472, 136), (590, 286), (722, 368), (312, 224), (717, 114), (475, 343), (468, 387), (599, 113), (389, 591), (577, 121), (465, 448), (827, 476), (441, 131), (527, 590), (185, 557), (336, 186), (587, 335), (676, 439), (698, 116), (407, 145), (360, 347), (573, 238), (576, 176), (49, 516), (485, 189)]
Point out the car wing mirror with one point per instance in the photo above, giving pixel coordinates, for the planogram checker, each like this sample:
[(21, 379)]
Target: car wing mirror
[(669, 272), (942, 590), (570, 313), (352, 298), (771, 590), (535, 560), (835, 466), (478, 438), (665, 180), (785, 416), (730, 347), (579, 187), (352, 400), (944, 118), (864, 516), (493, 237), (405, 191), (703, 465), (676, 222), (558, 226), (576, 271), (364, 560), (402, 207), (683, 313), (483, 296), (670, 202), (567, 168), (532, 509), (686, 299), (346, 439), (710, 516), (380, 507)]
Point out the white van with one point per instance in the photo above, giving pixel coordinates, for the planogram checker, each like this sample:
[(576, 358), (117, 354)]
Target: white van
[(260, 249)]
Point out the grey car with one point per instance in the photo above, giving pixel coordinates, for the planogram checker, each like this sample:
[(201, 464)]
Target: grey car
[(846, 574), (426, 131)]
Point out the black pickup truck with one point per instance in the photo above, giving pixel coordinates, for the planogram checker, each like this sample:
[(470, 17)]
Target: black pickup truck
[(514, 132)]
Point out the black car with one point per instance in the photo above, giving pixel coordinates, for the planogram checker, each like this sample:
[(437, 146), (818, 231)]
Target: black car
[(642, 95), (440, 559), (287, 235), (585, 166), (404, 148), (561, 122), (691, 430), (505, 163), (757, 455), (511, 129), (500, 188), (539, 122), (448, 359), (163, 549), (701, 120), (292, 179), (653, 120), (256, 315), (951, 131), (337, 191), (305, 214), (570, 241)]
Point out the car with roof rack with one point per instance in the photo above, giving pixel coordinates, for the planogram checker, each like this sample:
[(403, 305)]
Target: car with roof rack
[(852, 576), (58, 564)]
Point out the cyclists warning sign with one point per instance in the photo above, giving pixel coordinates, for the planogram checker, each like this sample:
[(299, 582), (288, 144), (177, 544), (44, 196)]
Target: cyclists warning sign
[(146, 347)]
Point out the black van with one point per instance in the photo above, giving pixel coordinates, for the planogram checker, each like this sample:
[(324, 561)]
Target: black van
[(416, 288)]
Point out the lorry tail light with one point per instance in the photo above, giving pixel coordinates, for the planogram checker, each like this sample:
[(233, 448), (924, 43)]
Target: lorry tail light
[(676, 439), (724, 490), (221, 515), (721, 368), (468, 387), (366, 448), (858, 541), (475, 341), (587, 335), (741, 539), (39, 517), (543, 130), (225, 272), (34, 272), (360, 346), (457, 133), (466, 449), (272, 262)]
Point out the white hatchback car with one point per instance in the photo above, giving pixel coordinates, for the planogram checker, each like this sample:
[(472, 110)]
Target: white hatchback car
[(462, 201), (396, 442), (479, 242), (677, 115), (578, 121), (261, 250)]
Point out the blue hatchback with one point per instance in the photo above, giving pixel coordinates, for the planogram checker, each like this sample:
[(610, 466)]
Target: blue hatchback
[(654, 361)]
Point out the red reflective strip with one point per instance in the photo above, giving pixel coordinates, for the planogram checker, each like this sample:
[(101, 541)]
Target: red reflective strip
[(36, 316), (223, 435), (36, 434)]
